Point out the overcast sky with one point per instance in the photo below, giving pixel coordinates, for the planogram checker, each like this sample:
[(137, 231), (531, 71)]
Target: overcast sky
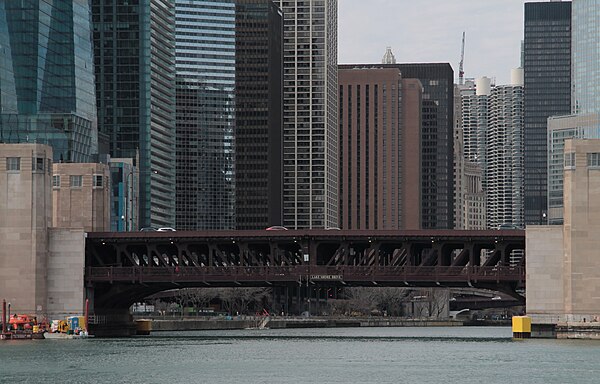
[(431, 31)]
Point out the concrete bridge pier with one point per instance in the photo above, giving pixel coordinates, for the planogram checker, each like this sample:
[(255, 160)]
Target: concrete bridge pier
[(109, 321), (113, 322)]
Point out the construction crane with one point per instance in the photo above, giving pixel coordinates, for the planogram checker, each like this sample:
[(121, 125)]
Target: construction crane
[(461, 72)]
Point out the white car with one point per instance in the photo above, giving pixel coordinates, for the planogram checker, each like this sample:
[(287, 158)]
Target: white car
[(166, 229)]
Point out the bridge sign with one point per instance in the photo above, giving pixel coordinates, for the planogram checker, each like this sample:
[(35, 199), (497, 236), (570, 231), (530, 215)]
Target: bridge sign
[(326, 277)]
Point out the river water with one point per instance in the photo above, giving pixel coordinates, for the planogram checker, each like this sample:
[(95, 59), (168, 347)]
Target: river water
[(338, 355)]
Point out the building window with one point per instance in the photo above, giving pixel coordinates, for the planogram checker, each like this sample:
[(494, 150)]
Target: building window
[(593, 160), (98, 181), (37, 164), (76, 181), (56, 181), (13, 163), (570, 160)]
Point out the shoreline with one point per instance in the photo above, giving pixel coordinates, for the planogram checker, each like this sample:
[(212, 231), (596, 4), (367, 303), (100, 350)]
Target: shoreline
[(292, 322)]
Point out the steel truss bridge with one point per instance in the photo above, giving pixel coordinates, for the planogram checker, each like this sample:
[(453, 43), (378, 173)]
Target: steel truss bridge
[(125, 267)]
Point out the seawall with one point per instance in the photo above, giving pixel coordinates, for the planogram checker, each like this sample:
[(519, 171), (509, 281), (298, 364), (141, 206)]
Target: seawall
[(282, 323)]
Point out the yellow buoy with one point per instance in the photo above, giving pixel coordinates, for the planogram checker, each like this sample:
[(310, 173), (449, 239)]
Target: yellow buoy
[(521, 327)]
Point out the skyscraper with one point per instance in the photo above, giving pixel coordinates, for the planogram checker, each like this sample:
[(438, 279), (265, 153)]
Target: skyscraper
[(471, 113), (560, 128), (259, 120), (491, 126), (205, 65), (380, 132), (475, 119), (436, 143), (229, 114), (585, 56), (504, 155), (46, 77), (547, 87), (134, 52), (310, 110), (584, 123), (437, 146)]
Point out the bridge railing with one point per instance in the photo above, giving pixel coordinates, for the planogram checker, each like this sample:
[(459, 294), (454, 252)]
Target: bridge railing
[(251, 274)]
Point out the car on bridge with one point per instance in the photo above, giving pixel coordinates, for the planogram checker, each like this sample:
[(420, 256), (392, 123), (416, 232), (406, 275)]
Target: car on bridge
[(508, 226), (276, 228)]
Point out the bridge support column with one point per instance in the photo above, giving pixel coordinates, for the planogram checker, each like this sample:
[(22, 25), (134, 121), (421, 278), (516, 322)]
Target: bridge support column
[(113, 322)]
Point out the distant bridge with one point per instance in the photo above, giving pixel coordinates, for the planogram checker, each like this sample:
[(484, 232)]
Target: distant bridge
[(125, 267)]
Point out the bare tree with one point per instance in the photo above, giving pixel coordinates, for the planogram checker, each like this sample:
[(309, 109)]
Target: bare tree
[(389, 300), (361, 300), (241, 300), (251, 297), (439, 302), (182, 299), (227, 297), (200, 298)]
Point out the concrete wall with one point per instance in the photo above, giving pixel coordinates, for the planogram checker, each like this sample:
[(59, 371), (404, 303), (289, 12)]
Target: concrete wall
[(544, 266), (563, 264), (582, 229), (66, 263), (25, 215), (85, 206)]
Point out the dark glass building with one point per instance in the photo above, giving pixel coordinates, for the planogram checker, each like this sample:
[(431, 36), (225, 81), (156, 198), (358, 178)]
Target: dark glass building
[(205, 65), (229, 114), (46, 77), (259, 120), (547, 66), (134, 52), (437, 145)]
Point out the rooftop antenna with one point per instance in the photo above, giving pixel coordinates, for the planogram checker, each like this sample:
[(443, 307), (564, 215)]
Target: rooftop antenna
[(461, 72)]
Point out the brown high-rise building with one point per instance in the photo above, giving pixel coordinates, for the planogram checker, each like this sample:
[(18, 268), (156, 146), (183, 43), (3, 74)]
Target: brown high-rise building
[(380, 133)]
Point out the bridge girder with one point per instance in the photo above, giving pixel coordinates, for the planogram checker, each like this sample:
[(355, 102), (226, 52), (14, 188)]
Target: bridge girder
[(122, 266)]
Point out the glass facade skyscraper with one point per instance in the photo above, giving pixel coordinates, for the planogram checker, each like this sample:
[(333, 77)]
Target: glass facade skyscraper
[(205, 65), (584, 123), (46, 77), (437, 146), (229, 123), (134, 46), (586, 56), (547, 68), (259, 120)]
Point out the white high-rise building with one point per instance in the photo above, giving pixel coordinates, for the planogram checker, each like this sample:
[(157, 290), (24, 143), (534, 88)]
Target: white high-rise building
[(475, 104), (310, 114), (505, 152), (491, 175), (471, 100)]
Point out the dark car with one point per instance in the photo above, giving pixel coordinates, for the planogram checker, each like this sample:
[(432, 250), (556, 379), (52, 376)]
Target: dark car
[(148, 229)]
